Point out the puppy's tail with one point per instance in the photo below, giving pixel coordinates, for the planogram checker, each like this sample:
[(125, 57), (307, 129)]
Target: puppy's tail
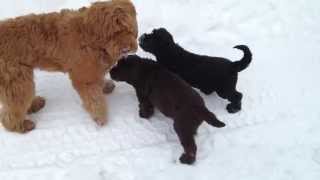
[(245, 61), (211, 119)]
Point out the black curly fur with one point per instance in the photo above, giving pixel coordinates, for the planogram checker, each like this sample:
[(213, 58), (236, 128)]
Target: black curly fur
[(209, 74), (157, 87)]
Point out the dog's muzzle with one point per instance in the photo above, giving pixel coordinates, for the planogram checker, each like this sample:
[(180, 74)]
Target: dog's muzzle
[(142, 38), (126, 52)]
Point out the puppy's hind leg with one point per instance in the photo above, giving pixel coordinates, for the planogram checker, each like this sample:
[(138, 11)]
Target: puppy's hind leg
[(16, 94), (235, 98), (186, 137)]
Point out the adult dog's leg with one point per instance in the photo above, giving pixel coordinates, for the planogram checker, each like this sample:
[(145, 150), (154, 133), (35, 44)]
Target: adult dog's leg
[(93, 99), (16, 93), (37, 104)]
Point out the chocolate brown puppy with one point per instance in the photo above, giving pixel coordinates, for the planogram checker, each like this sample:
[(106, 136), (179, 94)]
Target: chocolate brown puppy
[(157, 87)]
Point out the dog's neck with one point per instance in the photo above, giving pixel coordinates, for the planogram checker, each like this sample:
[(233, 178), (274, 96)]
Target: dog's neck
[(173, 55), (140, 79)]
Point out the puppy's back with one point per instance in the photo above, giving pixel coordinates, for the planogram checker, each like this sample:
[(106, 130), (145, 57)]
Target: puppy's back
[(169, 92)]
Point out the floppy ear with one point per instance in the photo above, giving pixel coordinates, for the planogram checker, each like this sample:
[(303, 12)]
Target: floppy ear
[(103, 20), (120, 20)]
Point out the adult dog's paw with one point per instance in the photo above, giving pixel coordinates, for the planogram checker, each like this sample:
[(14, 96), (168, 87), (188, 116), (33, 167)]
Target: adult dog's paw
[(100, 121), (28, 125), (37, 104)]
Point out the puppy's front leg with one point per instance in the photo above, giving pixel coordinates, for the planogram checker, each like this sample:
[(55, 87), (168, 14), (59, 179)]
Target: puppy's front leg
[(146, 108), (93, 100)]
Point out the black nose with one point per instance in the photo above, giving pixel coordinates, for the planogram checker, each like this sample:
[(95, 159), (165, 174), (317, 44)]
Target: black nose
[(142, 38), (112, 74)]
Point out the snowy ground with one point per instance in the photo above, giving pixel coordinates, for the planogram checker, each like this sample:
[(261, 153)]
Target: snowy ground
[(275, 137)]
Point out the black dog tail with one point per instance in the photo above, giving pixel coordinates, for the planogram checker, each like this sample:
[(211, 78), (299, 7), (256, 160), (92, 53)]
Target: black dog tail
[(245, 61), (211, 119)]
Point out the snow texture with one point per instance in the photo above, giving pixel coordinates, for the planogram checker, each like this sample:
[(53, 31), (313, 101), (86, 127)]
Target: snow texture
[(274, 137)]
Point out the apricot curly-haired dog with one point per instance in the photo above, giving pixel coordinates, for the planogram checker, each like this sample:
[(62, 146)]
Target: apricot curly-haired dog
[(85, 44)]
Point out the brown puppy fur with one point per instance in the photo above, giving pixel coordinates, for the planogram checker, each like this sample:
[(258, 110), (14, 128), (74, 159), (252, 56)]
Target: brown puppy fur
[(85, 44), (156, 87)]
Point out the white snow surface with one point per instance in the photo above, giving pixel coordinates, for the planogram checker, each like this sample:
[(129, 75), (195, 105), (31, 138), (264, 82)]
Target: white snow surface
[(275, 137)]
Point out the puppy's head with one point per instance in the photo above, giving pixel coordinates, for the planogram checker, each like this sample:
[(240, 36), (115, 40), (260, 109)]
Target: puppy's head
[(113, 25), (127, 69), (156, 40)]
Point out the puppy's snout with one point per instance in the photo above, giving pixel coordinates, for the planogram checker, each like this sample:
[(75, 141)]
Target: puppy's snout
[(125, 50), (142, 38), (113, 73)]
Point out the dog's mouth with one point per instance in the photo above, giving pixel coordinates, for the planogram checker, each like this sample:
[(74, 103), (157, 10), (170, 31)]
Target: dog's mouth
[(123, 55), (142, 39), (113, 76), (125, 52)]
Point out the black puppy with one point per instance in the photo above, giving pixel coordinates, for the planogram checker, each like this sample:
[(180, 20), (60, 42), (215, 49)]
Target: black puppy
[(157, 87), (206, 73)]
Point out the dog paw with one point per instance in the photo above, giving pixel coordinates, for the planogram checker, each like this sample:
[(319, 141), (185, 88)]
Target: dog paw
[(37, 104), (187, 159), (28, 125), (100, 121), (108, 87), (146, 113), (231, 108)]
